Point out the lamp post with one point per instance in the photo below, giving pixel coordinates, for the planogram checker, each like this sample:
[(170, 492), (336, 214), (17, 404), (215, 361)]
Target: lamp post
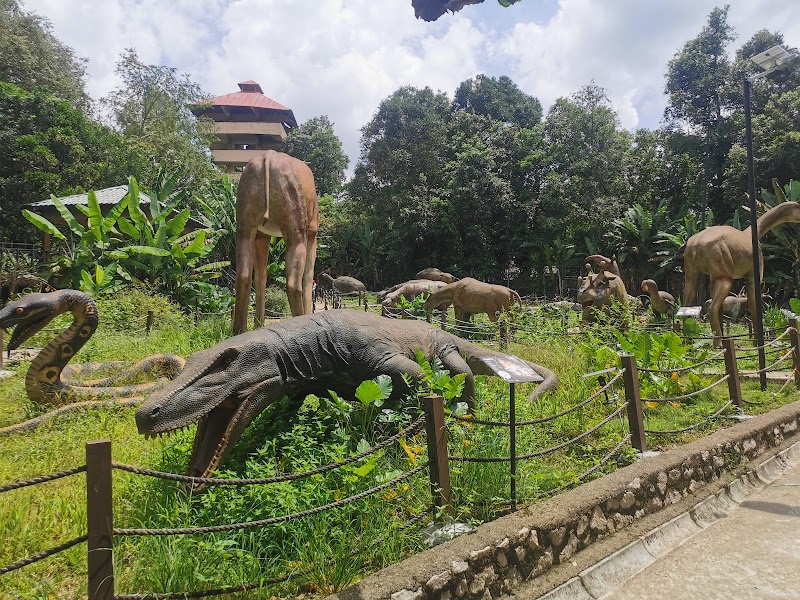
[(770, 60)]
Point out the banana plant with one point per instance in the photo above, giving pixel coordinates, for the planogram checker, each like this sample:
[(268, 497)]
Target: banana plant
[(782, 246), (102, 282), (87, 245)]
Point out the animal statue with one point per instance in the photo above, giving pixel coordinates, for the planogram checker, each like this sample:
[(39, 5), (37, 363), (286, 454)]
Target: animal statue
[(225, 387), (343, 285), (276, 197), (470, 297), (435, 274), (410, 290), (560, 307), (663, 303), (604, 263), (734, 308), (50, 380), (726, 253), (600, 290)]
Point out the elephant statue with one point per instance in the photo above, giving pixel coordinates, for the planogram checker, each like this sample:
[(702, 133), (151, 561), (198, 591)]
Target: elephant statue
[(470, 297)]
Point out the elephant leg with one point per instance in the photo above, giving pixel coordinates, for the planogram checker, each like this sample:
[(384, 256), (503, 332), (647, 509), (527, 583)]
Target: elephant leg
[(460, 315), (295, 264), (245, 258), (720, 287), (308, 274), (262, 261), (454, 363)]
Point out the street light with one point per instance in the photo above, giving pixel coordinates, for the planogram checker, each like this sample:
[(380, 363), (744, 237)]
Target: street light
[(770, 61)]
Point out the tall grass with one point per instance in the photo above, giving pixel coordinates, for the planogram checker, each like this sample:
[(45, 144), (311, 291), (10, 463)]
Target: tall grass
[(334, 548)]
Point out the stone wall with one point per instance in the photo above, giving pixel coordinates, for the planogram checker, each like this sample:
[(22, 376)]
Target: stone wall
[(526, 544)]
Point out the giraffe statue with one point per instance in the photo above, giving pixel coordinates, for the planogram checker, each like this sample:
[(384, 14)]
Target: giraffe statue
[(276, 197)]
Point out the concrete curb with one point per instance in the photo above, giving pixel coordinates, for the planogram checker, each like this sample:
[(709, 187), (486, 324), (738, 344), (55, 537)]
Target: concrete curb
[(614, 570)]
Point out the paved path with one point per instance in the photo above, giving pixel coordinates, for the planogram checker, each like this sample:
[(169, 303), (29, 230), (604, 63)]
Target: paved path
[(754, 552)]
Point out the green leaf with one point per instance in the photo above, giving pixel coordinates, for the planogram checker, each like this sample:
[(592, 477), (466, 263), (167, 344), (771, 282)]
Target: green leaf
[(369, 392), (114, 214), (134, 210), (65, 213), (196, 247), (148, 250), (41, 223), (95, 216), (86, 280), (174, 227), (794, 304), (99, 275), (128, 228)]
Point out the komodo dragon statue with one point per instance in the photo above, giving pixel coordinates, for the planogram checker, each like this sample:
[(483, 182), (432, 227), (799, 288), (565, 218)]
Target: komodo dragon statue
[(726, 253), (225, 387), (50, 380)]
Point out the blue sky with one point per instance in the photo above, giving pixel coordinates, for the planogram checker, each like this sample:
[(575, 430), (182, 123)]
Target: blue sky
[(342, 57)]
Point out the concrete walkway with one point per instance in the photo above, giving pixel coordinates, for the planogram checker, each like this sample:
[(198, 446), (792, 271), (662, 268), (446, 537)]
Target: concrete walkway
[(742, 542), (754, 552)]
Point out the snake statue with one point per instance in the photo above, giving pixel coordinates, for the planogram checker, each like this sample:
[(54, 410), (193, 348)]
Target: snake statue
[(50, 380)]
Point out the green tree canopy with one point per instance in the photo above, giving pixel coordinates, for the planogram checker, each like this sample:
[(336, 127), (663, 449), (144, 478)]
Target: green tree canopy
[(34, 59), (151, 110), (500, 99), (50, 147), (316, 143)]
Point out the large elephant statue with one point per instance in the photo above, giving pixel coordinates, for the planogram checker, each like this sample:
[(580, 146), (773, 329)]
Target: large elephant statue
[(410, 290), (276, 197), (470, 297), (343, 285), (435, 274)]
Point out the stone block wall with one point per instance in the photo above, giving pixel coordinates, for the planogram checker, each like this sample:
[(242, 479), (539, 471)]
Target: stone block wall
[(527, 543)]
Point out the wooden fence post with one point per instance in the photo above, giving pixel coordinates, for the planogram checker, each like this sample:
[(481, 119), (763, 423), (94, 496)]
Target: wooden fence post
[(2, 348), (794, 335), (732, 370), (196, 313), (437, 453), (99, 520), (149, 324), (633, 398)]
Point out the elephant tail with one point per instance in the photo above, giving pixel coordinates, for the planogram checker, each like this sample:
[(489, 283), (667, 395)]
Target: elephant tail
[(515, 295)]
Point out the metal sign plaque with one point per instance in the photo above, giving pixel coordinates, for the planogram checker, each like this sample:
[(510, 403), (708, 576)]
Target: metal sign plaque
[(511, 369), (688, 311)]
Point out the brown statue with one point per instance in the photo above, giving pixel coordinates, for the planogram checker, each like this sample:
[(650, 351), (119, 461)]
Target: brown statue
[(663, 303), (276, 196), (470, 297), (725, 253)]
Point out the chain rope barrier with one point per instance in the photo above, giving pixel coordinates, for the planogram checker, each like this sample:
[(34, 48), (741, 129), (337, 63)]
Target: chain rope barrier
[(715, 357), (690, 427), (42, 555), (594, 396), (271, 520), (41, 479), (545, 451), (410, 430), (690, 394), (770, 367), (786, 332)]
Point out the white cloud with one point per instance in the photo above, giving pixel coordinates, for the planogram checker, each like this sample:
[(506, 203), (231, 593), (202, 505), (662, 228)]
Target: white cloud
[(342, 57)]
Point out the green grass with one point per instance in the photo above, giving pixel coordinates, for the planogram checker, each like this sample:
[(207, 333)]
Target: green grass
[(339, 546)]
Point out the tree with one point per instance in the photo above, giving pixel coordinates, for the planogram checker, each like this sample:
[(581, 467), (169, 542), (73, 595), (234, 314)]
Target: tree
[(151, 110), (50, 147), (584, 183), (34, 59), (696, 79), (500, 99), (316, 143)]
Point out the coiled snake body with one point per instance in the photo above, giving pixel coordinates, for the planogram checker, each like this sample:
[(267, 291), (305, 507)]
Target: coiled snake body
[(50, 380)]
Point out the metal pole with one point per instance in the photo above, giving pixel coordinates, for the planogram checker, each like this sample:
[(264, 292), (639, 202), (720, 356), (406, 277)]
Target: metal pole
[(99, 520), (758, 318), (513, 444)]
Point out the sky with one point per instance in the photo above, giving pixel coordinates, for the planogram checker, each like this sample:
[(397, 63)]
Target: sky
[(341, 58)]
